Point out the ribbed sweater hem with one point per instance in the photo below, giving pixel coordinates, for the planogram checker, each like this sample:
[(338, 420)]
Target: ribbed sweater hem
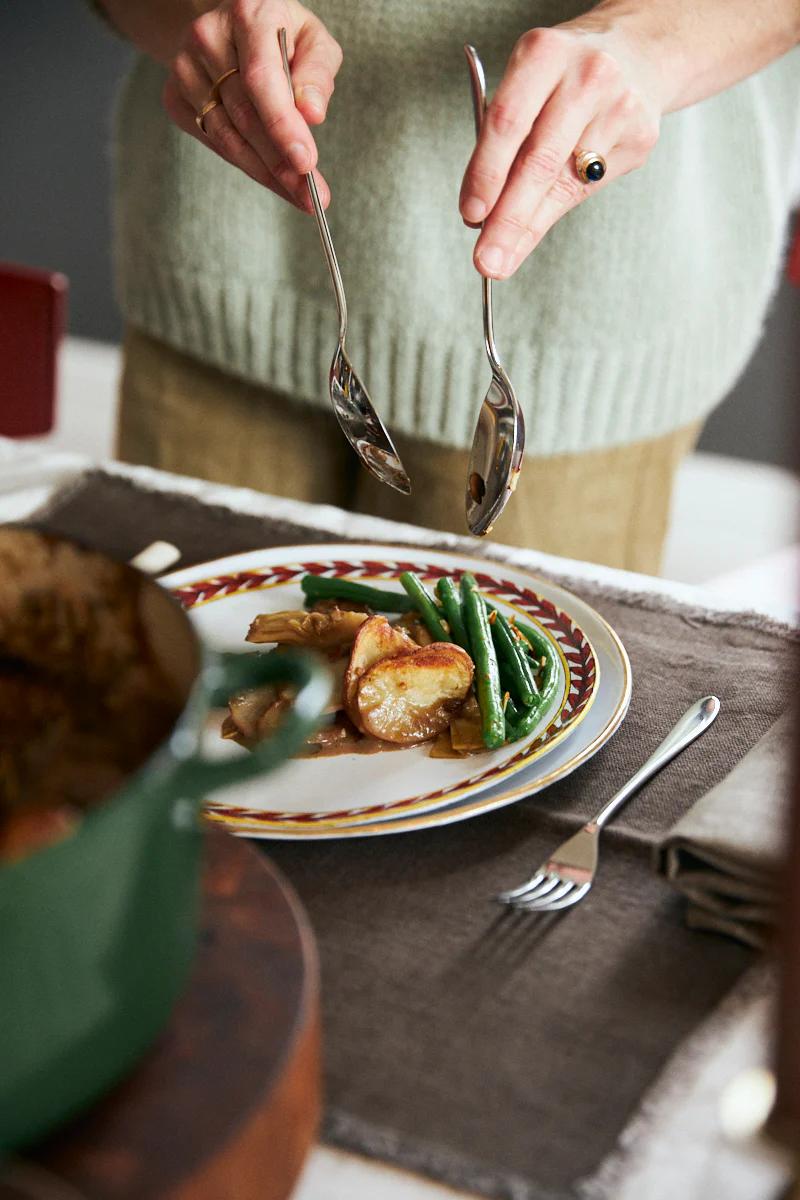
[(594, 396)]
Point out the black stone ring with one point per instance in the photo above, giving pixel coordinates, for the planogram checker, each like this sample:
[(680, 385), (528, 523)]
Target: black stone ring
[(590, 166)]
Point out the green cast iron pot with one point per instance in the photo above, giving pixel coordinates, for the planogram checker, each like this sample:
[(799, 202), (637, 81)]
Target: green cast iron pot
[(97, 932)]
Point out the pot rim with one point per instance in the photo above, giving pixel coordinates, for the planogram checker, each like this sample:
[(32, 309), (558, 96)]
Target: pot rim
[(186, 728)]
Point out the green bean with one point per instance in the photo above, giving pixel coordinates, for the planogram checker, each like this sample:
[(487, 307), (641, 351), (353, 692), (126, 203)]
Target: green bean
[(322, 587), (424, 605), (447, 592), (539, 643), (525, 725), (506, 656), (516, 673), (487, 675), (548, 681), (510, 711)]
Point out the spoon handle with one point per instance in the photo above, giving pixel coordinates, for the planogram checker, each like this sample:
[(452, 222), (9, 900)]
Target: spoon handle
[(319, 213), (478, 80)]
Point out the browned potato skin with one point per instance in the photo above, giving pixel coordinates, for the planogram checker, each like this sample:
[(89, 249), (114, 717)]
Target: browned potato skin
[(411, 698), (375, 641)]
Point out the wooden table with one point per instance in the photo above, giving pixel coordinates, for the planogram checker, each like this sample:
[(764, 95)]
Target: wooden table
[(226, 1105)]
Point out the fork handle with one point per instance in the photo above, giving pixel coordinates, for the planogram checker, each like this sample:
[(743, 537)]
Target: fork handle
[(693, 722)]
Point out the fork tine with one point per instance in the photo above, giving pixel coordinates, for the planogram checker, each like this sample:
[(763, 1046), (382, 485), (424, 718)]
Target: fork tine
[(551, 881), (522, 890), (556, 903), (540, 902), (571, 898)]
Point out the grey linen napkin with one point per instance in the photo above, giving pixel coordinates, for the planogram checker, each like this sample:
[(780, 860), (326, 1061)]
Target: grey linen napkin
[(724, 854)]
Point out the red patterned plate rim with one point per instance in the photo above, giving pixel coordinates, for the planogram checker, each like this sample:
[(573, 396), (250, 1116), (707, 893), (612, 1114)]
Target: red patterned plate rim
[(579, 663)]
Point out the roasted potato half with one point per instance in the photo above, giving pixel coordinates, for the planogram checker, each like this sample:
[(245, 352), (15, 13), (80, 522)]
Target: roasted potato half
[(375, 640), (412, 697)]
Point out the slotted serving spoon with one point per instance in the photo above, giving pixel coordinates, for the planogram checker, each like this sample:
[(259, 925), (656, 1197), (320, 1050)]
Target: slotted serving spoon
[(499, 440), (360, 423)]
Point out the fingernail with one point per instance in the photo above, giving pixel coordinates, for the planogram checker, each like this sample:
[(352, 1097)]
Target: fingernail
[(312, 97), (491, 259), (299, 157), (473, 210)]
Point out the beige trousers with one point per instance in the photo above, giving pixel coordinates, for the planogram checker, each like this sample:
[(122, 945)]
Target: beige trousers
[(178, 414)]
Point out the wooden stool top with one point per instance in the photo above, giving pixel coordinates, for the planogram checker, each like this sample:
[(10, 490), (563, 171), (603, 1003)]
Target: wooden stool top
[(227, 1103)]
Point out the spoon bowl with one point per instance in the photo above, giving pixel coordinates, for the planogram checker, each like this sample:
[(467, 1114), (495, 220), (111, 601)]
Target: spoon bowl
[(358, 419), (361, 425), (496, 457)]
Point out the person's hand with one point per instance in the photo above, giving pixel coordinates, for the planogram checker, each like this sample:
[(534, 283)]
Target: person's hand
[(567, 88), (257, 127)]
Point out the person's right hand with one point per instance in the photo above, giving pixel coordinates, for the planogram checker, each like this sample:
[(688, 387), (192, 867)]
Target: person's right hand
[(258, 126)]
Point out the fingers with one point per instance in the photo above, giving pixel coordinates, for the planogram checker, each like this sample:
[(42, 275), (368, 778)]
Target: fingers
[(534, 70), (569, 190), (623, 136), (211, 40), (192, 80), (538, 167), (524, 179), (243, 116), (317, 58), (261, 67), (236, 128), (224, 143)]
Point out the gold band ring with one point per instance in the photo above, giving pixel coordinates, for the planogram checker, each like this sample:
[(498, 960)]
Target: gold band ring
[(214, 93), (204, 111), (590, 166), (214, 99)]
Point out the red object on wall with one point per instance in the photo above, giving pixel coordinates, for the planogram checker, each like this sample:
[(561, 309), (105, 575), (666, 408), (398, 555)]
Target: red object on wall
[(33, 306), (793, 265)]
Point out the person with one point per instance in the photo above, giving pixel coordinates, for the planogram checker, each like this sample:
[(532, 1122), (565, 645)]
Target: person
[(628, 304)]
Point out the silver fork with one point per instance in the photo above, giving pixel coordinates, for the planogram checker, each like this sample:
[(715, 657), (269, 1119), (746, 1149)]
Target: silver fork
[(565, 878)]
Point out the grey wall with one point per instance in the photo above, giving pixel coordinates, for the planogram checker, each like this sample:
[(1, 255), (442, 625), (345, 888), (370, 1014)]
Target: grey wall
[(761, 417), (58, 71), (59, 68)]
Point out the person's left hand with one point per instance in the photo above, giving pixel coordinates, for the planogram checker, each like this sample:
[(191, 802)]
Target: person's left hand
[(566, 88)]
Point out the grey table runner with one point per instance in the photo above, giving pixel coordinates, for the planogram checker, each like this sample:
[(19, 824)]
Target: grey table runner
[(505, 1053)]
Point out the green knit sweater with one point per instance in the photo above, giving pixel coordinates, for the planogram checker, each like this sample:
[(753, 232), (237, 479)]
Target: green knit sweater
[(632, 318)]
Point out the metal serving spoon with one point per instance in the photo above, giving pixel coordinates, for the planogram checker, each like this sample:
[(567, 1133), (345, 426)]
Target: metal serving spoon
[(360, 423), (499, 440)]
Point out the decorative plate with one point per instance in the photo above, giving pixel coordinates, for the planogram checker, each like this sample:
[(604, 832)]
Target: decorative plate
[(595, 730), (223, 597)]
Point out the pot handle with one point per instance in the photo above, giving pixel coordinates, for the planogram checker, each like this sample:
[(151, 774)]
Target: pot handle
[(226, 674)]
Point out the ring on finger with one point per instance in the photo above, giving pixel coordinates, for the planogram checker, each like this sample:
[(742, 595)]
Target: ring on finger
[(200, 118), (590, 165), (214, 93), (214, 99)]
